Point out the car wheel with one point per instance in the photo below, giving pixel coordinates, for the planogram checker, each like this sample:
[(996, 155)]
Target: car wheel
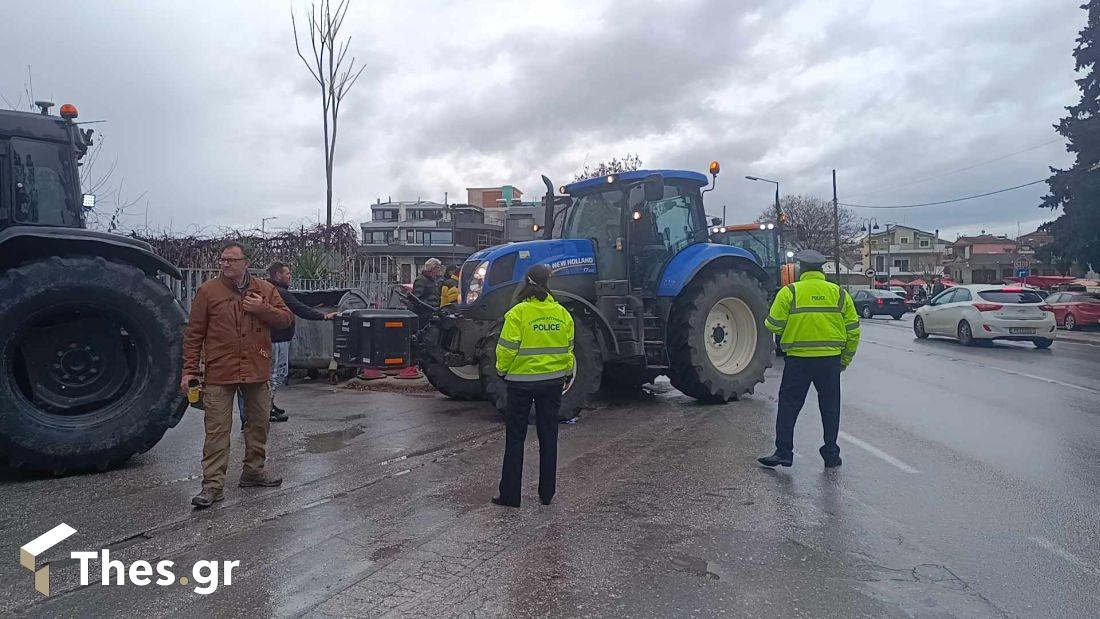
[(866, 313), (1043, 342), (897, 316), (965, 334), (1070, 322), (918, 328)]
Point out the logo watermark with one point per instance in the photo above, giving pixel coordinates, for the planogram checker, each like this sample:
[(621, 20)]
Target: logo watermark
[(205, 576)]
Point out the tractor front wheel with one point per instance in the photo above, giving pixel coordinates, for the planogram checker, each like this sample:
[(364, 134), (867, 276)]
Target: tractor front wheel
[(718, 346)]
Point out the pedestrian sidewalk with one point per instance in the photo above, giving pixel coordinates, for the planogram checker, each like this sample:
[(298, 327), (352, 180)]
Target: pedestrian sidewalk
[(1091, 336)]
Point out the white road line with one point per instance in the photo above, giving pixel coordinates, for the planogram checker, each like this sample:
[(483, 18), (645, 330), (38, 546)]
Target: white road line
[(1063, 554), (878, 453)]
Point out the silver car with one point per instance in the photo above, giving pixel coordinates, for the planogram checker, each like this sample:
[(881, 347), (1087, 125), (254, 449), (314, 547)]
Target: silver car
[(984, 312)]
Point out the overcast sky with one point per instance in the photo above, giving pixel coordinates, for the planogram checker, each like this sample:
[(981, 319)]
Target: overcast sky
[(210, 111)]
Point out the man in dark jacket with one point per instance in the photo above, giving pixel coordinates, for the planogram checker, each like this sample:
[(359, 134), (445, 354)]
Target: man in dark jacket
[(278, 274), (426, 286)]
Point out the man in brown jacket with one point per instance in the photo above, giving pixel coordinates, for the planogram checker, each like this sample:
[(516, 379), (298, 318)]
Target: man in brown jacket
[(231, 320)]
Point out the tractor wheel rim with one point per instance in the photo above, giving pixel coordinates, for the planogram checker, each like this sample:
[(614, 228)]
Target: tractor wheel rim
[(730, 335), (466, 372)]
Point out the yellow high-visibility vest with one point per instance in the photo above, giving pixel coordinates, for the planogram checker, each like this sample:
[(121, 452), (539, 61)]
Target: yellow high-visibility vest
[(536, 342), (815, 318)]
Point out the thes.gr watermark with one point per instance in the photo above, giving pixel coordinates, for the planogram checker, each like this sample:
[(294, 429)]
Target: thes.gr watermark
[(205, 576)]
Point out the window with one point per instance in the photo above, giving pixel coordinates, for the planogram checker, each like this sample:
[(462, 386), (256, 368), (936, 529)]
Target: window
[(1055, 298), (945, 296), (962, 295), (43, 183), (925, 243), (410, 236), (880, 264), (421, 214), (1011, 296), (904, 240), (385, 215), (433, 237), (860, 294), (901, 264), (378, 237)]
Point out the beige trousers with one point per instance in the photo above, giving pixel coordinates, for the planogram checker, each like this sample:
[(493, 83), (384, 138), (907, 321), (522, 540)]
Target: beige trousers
[(218, 404)]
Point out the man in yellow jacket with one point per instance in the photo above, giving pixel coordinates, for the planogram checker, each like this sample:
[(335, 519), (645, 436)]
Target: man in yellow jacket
[(819, 331), (535, 358)]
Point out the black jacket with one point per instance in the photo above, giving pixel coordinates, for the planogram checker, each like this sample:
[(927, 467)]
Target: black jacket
[(426, 289), (300, 309)]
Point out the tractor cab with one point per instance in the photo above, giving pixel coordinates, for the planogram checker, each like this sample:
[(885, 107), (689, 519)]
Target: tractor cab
[(636, 222)]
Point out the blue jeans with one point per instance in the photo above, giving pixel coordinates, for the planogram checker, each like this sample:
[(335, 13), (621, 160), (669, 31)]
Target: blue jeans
[(280, 367)]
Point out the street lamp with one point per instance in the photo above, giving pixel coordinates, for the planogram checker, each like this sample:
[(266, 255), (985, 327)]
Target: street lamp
[(263, 223), (868, 225), (778, 212)]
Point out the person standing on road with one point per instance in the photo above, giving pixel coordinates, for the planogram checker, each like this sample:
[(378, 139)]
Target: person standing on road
[(231, 321), (448, 291), (819, 332), (426, 286), (535, 357), (278, 274)]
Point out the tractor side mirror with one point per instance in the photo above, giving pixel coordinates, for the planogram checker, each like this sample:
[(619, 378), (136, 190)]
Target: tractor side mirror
[(654, 188)]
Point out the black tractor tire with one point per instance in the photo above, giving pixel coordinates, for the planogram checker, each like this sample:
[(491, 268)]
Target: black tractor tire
[(114, 336), (691, 369), (586, 380), (429, 357)]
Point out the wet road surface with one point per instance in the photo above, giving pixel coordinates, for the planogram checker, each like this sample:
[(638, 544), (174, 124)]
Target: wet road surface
[(969, 488)]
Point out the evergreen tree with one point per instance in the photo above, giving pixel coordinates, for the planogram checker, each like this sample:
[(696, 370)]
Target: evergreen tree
[(1076, 191)]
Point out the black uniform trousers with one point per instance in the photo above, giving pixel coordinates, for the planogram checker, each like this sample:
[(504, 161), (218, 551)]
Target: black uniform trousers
[(798, 374), (546, 396)]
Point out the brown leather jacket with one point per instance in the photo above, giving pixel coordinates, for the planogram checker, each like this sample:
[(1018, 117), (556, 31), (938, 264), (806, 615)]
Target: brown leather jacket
[(237, 343)]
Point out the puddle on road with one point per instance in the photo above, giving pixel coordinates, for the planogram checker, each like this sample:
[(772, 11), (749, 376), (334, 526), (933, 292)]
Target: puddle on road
[(331, 441)]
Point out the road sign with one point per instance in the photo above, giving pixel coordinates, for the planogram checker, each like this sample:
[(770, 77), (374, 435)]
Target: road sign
[(1022, 262), (1022, 273), (869, 272)]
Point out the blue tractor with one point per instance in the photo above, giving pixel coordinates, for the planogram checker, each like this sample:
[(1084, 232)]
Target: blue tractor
[(651, 295)]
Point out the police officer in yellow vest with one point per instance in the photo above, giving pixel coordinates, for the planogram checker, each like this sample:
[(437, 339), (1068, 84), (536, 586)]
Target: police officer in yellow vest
[(535, 357), (819, 331)]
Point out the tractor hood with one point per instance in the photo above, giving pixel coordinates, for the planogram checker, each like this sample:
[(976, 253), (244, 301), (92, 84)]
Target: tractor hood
[(506, 264)]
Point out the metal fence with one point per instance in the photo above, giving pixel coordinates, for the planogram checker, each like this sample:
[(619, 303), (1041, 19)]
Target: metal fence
[(375, 277)]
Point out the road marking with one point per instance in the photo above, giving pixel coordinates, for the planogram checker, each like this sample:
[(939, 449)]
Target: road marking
[(878, 453), (1063, 554)]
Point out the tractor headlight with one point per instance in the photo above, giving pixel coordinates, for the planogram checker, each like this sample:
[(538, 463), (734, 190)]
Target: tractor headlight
[(477, 282)]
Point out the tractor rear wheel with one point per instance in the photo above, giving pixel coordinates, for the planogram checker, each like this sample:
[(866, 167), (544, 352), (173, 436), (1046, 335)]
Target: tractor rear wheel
[(587, 371), (90, 360), (718, 346)]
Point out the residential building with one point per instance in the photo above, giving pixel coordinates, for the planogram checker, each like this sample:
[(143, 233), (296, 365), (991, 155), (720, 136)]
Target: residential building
[(902, 252), (989, 259), (401, 236)]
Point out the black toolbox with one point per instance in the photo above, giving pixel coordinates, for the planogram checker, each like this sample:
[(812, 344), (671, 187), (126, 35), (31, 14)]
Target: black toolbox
[(374, 338)]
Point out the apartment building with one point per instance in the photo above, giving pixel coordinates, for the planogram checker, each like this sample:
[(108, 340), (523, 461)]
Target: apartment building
[(902, 252)]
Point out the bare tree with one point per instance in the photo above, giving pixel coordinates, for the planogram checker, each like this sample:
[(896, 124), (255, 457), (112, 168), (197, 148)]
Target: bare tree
[(326, 65), (809, 225), (629, 163)]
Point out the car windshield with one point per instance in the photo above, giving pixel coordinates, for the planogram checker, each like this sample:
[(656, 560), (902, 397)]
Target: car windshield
[(1010, 296)]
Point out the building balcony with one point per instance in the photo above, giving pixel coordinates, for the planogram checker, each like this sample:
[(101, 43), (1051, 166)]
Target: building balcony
[(906, 249)]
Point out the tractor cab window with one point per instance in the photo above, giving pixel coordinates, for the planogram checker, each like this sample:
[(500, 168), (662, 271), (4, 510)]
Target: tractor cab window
[(598, 216), (759, 243), (43, 184), (660, 229)]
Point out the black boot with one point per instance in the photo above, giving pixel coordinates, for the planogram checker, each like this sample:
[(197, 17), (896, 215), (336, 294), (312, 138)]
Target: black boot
[(499, 501), (776, 459), (278, 414), (831, 456)]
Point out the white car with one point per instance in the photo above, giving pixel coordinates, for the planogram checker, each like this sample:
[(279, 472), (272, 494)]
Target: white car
[(987, 312)]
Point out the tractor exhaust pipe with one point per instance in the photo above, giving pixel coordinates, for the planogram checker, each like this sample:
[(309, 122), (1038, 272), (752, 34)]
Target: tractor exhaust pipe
[(548, 209)]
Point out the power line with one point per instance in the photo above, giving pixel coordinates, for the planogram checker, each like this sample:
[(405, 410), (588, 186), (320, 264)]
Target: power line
[(980, 195), (883, 188)]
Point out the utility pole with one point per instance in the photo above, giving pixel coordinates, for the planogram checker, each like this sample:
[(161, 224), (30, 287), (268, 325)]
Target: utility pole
[(836, 230), (454, 242)]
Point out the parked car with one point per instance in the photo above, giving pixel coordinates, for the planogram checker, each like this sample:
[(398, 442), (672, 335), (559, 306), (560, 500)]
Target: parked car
[(901, 292), (871, 303), (982, 312), (1075, 309)]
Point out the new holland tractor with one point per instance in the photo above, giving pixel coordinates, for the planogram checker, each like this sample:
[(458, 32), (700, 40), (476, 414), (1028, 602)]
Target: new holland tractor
[(89, 337), (650, 294)]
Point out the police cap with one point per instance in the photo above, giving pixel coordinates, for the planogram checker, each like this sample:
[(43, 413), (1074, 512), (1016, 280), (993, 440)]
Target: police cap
[(811, 258)]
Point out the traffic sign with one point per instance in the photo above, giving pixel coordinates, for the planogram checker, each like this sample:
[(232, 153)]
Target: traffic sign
[(869, 272), (1022, 273)]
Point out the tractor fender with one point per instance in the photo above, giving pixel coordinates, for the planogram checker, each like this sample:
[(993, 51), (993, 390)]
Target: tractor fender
[(20, 244), (685, 265), (608, 337)]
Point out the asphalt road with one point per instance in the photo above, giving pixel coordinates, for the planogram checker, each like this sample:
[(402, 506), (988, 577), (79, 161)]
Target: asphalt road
[(969, 488)]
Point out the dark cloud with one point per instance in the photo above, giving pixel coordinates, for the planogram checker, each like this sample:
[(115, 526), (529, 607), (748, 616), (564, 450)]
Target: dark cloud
[(212, 112)]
